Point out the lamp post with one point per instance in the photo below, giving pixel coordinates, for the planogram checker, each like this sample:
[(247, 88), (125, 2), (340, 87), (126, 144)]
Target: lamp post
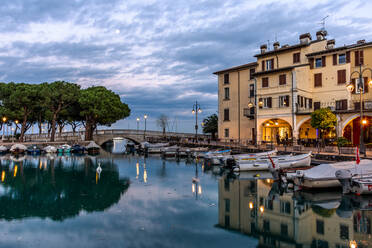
[(4, 120), (138, 119), (350, 87), (195, 110), (144, 132)]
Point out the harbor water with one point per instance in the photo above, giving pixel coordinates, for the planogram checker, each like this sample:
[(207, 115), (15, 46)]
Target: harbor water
[(63, 201)]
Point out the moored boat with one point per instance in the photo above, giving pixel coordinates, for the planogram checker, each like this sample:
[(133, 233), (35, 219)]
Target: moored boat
[(93, 148), (50, 149), (33, 150), (3, 149), (324, 175), (282, 162), (77, 149), (64, 149), (18, 149)]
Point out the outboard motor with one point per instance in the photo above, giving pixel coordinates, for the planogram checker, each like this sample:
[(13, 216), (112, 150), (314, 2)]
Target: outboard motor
[(230, 163), (344, 176)]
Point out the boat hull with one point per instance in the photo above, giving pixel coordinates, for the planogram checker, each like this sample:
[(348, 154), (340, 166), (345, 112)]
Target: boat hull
[(263, 164)]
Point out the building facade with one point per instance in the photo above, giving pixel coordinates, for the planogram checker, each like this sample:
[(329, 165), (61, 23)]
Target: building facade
[(289, 83)]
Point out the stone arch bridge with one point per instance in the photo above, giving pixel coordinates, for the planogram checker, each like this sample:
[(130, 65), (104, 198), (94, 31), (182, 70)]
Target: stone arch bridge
[(103, 136)]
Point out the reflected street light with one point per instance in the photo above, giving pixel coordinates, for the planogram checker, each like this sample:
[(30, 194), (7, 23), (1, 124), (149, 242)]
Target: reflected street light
[(138, 119), (144, 133), (195, 110), (4, 120)]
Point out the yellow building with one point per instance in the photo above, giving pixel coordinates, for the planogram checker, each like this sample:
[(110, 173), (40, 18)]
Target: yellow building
[(245, 205), (289, 83)]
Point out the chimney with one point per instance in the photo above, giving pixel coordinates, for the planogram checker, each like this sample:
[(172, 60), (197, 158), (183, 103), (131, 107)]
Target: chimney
[(305, 38), (263, 48), (361, 42), (331, 44), (321, 34), (276, 45)]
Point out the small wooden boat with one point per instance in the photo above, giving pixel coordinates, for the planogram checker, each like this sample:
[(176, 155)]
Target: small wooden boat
[(18, 149), (324, 175), (170, 151), (252, 156), (264, 163)]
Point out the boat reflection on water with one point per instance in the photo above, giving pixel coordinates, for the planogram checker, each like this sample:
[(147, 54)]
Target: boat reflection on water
[(57, 187), (257, 208)]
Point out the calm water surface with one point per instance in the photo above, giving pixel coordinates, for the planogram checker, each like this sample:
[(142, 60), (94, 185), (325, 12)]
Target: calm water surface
[(61, 201)]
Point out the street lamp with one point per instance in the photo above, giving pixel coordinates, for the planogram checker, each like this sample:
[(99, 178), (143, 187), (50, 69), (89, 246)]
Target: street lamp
[(195, 110), (4, 120), (144, 133), (138, 119), (350, 87)]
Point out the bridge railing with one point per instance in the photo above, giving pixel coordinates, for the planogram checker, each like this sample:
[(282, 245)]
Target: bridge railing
[(79, 135)]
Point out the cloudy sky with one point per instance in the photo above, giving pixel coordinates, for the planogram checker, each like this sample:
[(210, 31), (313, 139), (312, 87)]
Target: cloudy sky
[(159, 56)]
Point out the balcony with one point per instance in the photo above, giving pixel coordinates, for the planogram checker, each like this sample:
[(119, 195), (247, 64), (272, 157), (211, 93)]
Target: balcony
[(249, 112)]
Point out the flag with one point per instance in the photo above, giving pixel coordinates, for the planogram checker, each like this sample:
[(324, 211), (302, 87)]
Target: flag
[(357, 156)]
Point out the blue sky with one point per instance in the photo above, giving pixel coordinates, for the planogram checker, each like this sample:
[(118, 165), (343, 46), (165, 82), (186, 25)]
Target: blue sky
[(159, 56)]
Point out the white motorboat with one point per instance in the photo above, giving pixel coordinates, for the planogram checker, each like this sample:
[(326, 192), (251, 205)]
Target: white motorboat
[(18, 149), (324, 175), (357, 183), (252, 156), (170, 151), (50, 149), (282, 162), (217, 157)]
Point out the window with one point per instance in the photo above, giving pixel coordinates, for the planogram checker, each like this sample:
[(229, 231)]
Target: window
[(266, 102), (282, 79), (226, 115), (310, 103), (296, 58), (283, 101), (227, 205), (226, 78), (227, 182), (318, 80), (265, 82), (319, 226), (227, 221), (318, 62), (251, 72), (341, 104), (270, 64), (226, 132), (344, 232), (342, 58), (251, 90), (359, 58), (284, 229), (285, 207), (341, 76), (266, 226), (316, 105), (227, 93)]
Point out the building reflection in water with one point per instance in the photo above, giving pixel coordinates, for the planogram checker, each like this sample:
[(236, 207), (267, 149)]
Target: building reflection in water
[(57, 187), (256, 208)]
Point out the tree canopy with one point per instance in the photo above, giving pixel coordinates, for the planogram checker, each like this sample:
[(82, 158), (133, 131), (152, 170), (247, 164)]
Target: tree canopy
[(211, 125), (59, 103), (323, 119)]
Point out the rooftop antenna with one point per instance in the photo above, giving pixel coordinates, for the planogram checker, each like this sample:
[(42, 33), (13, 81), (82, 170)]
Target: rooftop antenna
[(323, 22), (268, 44), (276, 37)]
